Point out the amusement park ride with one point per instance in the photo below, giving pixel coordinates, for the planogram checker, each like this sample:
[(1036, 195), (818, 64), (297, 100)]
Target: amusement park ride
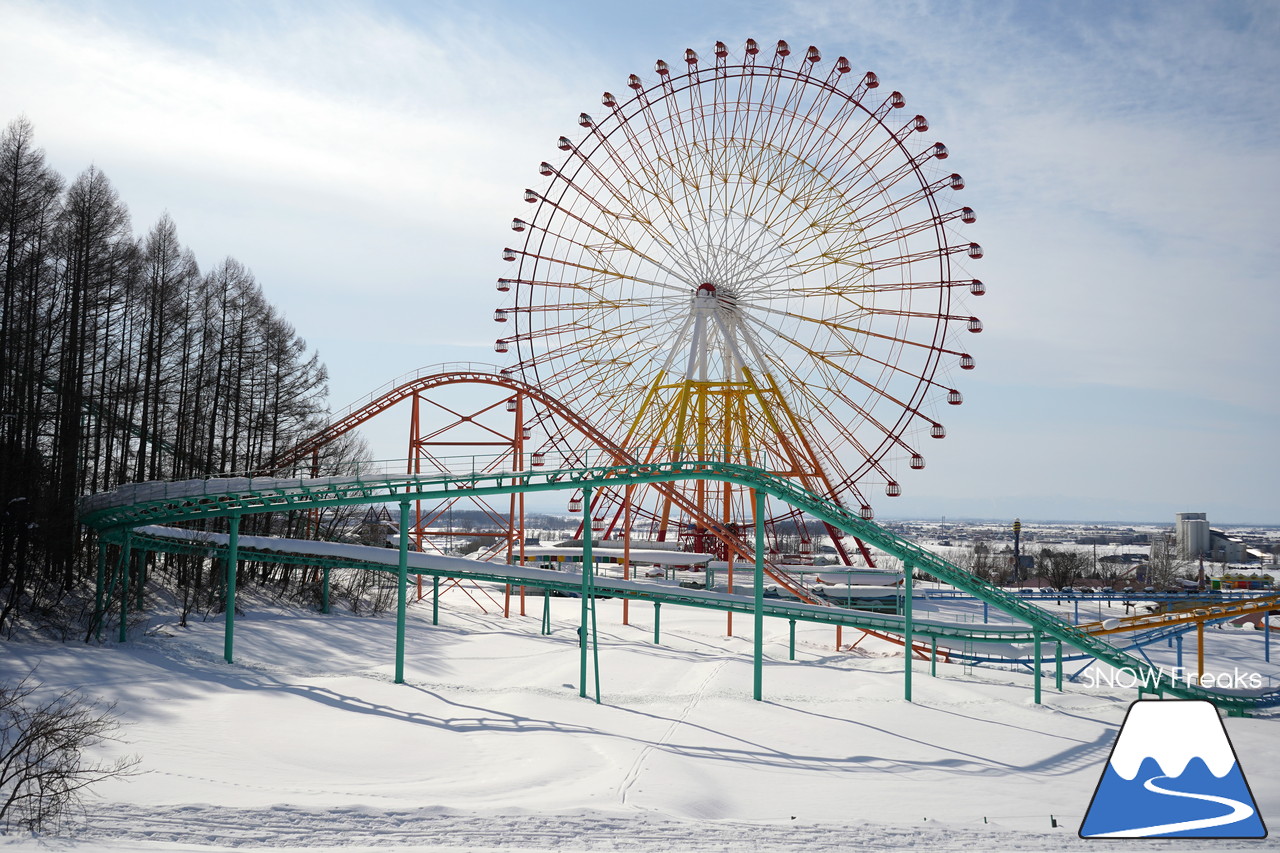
[(751, 259), (733, 313)]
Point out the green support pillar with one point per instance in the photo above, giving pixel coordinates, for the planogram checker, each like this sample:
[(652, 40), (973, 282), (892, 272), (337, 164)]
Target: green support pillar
[(1058, 667), (657, 623), (126, 555), (908, 571), (324, 592), (758, 641), (1039, 659), (233, 559), (99, 589), (546, 612), (933, 658), (792, 655), (588, 602), (402, 590), (435, 600)]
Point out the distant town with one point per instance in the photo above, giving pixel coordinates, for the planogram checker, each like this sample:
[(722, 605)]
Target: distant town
[(1188, 553)]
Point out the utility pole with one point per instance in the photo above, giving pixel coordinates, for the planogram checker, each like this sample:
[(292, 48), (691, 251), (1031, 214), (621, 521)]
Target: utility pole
[(1017, 549)]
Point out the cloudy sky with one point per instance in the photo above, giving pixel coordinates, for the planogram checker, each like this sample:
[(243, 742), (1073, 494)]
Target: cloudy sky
[(364, 159)]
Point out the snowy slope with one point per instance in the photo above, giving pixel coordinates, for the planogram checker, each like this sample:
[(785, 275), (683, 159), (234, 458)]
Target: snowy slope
[(306, 743)]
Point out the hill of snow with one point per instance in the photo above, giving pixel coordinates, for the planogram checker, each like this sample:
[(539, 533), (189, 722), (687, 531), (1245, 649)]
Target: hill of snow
[(306, 743)]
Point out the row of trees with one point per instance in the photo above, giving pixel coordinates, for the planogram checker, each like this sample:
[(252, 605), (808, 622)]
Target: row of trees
[(120, 360), (1061, 568)]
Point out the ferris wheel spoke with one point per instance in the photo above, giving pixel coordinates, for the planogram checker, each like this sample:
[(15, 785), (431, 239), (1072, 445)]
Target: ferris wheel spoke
[(667, 154), (600, 254), (855, 142), (932, 254), (856, 330), (611, 237), (641, 217), (849, 375), (879, 187), (644, 181), (840, 427), (608, 273)]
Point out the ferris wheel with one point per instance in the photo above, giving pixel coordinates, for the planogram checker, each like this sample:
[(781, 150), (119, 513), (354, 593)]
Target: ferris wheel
[(754, 259)]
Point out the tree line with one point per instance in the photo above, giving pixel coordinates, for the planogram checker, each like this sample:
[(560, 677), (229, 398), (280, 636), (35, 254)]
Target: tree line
[(121, 361)]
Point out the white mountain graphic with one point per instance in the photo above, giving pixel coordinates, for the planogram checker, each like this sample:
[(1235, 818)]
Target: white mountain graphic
[(1172, 733)]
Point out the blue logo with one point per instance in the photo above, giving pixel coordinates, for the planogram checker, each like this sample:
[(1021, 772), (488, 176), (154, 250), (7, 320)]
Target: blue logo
[(1172, 774)]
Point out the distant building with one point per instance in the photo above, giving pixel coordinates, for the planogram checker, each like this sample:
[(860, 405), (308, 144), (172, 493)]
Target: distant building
[(1226, 549), (1196, 539), (1193, 535)]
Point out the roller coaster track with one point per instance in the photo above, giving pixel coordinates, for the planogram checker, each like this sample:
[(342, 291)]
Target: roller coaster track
[(1214, 612), (438, 376), (134, 505), (296, 551)]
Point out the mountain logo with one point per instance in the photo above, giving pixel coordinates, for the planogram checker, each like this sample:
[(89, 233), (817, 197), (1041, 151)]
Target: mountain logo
[(1172, 774)]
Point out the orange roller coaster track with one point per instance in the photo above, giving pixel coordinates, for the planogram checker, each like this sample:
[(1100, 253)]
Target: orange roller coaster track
[(307, 452)]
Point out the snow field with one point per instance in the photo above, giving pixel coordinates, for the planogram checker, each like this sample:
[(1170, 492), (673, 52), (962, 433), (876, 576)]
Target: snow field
[(306, 743)]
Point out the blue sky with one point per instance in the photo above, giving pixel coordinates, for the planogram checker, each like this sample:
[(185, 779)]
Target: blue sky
[(364, 160)]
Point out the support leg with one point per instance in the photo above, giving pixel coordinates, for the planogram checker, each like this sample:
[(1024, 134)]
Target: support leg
[(1057, 678), (1039, 661), (402, 590), (588, 598), (233, 562), (908, 571), (792, 655), (1200, 651), (758, 641)]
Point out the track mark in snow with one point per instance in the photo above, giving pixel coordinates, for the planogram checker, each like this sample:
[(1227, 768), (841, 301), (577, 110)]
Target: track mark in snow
[(633, 772), (443, 829)]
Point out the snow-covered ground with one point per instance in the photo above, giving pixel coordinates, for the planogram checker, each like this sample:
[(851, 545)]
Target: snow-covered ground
[(307, 743)]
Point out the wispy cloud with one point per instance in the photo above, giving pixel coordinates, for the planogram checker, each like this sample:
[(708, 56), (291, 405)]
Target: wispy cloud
[(364, 159)]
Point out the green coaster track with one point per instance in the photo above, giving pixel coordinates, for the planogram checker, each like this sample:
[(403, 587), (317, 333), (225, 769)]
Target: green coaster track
[(117, 514)]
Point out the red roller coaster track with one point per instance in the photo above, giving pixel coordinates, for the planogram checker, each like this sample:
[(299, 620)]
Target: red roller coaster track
[(379, 402)]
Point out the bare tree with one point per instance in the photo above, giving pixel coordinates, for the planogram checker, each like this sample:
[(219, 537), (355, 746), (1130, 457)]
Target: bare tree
[(120, 361), (1165, 567), (43, 769), (1062, 568)]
